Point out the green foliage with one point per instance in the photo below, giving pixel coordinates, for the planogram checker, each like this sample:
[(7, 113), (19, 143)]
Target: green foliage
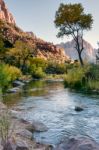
[(7, 75), (74, 77), (2, 48), (95, 70), (37, 67), (55, 68), (20, 54), (38, 62), (85, 78), (37, 72), (93, 85), (72, 21), (71, 17)]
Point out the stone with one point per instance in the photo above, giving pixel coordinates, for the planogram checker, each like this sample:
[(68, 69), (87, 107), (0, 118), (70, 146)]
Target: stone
[(2, 106), (37, 127), (78, 143), (13, 90), (18, 83), (25, 133), (5, 15), (21, 145), (79, 108), (13, 144), (25, 121)]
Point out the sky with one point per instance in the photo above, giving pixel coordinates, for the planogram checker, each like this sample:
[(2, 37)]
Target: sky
[(38, 16)]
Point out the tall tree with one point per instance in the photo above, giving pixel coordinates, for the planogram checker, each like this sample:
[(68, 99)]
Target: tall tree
[(72, 21), (19, 55)]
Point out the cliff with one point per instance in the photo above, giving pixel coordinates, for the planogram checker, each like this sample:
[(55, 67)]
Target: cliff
[(11, 33), (88, 53), (5, 15)]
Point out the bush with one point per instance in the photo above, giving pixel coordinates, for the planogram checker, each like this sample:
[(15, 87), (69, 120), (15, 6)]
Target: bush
[(38, 62), (37, 72), (86, 78), (55, 68), (93, 85), (7, 75), (74, 78)]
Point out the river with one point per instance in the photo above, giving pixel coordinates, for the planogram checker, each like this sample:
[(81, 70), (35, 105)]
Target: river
[(52, 104)]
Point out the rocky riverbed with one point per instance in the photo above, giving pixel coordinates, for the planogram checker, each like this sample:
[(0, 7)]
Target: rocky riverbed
[(45, 114), (21, 137)]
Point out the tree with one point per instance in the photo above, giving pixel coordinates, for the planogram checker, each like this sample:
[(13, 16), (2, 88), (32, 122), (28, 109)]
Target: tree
[(2, 48), (19, 55), (72, 21)]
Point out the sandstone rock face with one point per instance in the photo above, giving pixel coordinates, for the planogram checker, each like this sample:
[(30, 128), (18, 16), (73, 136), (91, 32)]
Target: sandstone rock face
[(44, 50), (88, 53), (81, 143), (5, 14), (12, 33)]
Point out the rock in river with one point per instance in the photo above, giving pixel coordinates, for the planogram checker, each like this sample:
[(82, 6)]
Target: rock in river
[(18, 83), (78, 143), (13, 90), (79, 108), (37, 126)]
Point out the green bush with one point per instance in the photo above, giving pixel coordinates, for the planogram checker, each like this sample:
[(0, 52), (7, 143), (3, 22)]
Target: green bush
[(86, 78), (7, 75), (37, 72), (93, 85), (74, 78), (38, 62), (55, 68)]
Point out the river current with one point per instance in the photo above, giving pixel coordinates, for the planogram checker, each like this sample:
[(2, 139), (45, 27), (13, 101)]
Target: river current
[(52, 104)]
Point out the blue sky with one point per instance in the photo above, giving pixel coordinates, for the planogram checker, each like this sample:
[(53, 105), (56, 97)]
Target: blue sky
[(38, 16)]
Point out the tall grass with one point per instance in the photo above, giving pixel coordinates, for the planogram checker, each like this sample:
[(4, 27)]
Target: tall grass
[(93, 85), (76, 78)]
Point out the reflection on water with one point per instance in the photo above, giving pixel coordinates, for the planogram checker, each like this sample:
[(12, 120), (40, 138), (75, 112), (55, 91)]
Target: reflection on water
[(54, 105)]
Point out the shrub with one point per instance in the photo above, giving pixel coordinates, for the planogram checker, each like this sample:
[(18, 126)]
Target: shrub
[(38, 62), (55, 68), (7, 75), (74, 78), (93, 85), (37, 72), (86, 77)]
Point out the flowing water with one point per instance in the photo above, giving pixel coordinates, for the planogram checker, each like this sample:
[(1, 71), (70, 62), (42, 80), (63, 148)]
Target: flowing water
[(52, 104)]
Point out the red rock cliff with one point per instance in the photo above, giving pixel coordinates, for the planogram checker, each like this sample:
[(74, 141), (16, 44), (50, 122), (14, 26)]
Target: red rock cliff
[(5, 15)]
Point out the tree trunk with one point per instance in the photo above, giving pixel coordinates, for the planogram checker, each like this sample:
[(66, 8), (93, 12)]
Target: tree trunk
[(79, 48), (80, 59)]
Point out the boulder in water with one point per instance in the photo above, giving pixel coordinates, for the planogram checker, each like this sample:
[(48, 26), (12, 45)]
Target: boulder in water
[(18, 83), (13, 90), (79, 108), (37, 127)]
